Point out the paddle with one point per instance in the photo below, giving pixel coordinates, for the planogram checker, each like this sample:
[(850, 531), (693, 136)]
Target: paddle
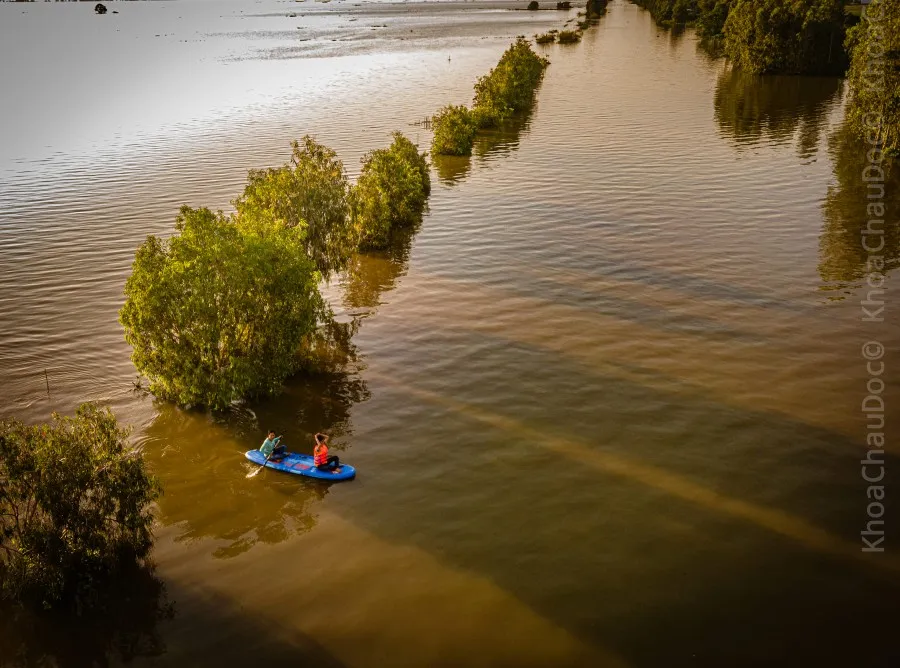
[(263, 465)]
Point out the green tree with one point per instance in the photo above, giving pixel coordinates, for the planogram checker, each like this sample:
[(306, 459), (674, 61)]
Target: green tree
[(510, 86), (874, 75), (786, 36), (391, 192), (217, 313), (74, 505), (310, 194), (454, 131), (711, 17)]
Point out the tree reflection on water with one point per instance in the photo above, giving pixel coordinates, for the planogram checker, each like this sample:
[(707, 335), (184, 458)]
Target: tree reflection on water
[(850, 204), (775, 109), (489, 144), (121, 625)]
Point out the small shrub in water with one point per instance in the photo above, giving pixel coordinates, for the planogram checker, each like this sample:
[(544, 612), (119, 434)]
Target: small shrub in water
[(454, 131), (569, 37), (391, 192), (533, 5), (546, 38), (564, 5)]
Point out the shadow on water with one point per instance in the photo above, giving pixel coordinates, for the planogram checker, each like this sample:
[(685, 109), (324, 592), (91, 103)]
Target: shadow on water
[(123, 626), (680, 537), (853, 207), (132, 624), (752, 109), (489, 144)]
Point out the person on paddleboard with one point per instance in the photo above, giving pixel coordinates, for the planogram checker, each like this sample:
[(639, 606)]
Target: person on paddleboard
[(270, 446), (320, 455)]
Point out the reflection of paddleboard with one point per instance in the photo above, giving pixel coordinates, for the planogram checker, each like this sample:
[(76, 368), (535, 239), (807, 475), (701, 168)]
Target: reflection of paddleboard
[(301, 465)]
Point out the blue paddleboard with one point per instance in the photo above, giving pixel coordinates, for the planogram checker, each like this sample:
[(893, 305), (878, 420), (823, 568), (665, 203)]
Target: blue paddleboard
[(301, 465)]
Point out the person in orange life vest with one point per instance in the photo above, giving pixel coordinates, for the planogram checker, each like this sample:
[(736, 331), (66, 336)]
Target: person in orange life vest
[(320, 455)]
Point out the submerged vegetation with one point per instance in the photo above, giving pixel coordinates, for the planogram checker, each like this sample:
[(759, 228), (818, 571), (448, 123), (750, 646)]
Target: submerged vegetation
[(874, 44), (74, 506), (217, 312), (810, 37), (229, 307), (454, 131), (507, 89), (391, 192), (311, 195), (546, 38), (796, 37), (766, 36), (569, 37), (510, 86)]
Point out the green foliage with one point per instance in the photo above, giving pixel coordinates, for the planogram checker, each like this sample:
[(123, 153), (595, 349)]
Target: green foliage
[(875, 75), (711, 17), (569, 37), (786, 36), (217, 312), (668, 12), (510, 86), (74, 505), (454, 131), (391, 192), (546, 38), (311, 194), (533, 5)]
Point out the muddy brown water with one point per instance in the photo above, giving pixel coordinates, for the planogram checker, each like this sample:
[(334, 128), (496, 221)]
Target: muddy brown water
[(605, 400)]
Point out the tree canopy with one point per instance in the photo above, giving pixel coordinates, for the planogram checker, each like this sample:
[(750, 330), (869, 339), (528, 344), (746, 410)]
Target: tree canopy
[(74, 505), (875, 75), (786, 36), (309, 194), (217, 312), (510, 86), (391, 192)]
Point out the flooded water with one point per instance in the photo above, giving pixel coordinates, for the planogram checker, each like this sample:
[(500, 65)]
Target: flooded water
[(604, 403)]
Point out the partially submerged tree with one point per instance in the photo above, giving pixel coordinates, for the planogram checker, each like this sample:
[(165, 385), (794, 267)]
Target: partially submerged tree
[(454, 131), (309, 194), (509, 87), (874, 110), (786, 36), (74, 505), (391, 192), (217, 313)]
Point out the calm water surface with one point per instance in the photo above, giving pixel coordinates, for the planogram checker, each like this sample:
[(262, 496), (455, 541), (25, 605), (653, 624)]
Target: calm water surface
[(604, 402)]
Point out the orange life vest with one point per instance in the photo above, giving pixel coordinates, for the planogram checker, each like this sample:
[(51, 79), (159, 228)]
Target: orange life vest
[(320, 454)]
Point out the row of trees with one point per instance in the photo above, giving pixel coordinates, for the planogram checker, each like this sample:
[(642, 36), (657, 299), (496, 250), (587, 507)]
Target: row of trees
[(874, 76), (224, 309), (808, 37), (767, 36), (507, 89)]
